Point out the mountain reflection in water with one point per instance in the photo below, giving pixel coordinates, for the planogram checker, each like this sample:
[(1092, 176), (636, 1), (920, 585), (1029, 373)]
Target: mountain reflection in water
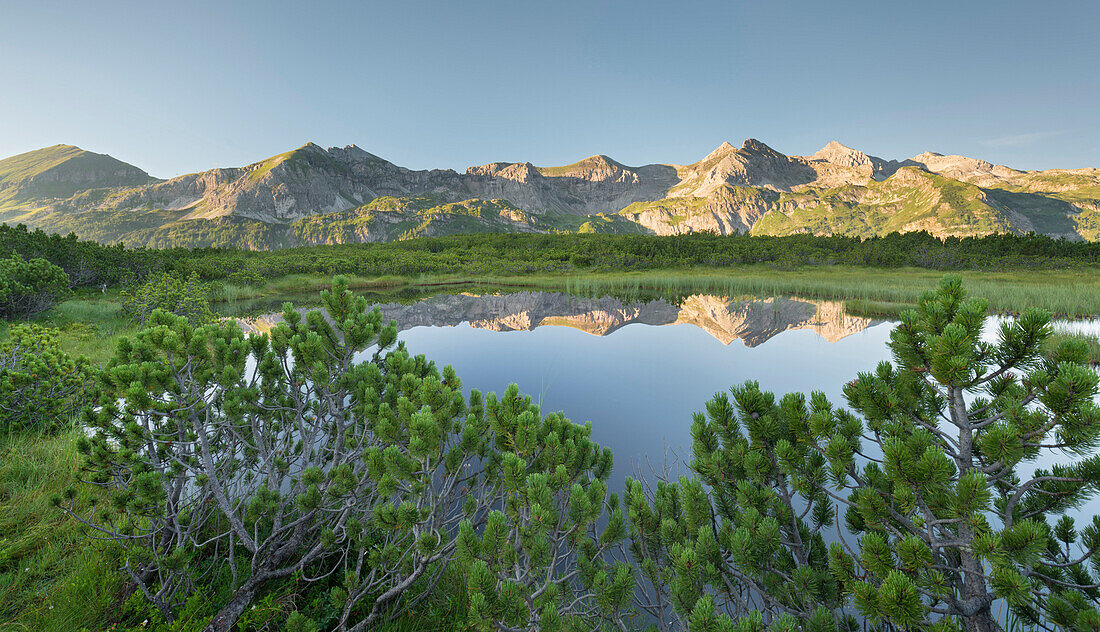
[(640, 386), (753, 321)]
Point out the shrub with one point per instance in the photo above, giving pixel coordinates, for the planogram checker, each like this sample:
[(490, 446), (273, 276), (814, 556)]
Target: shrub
[(188, 297), (299, 454), (40, 385), (30, 287)]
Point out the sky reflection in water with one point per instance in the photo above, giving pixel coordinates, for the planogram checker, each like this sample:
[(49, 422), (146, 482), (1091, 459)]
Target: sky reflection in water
[(640, 384)]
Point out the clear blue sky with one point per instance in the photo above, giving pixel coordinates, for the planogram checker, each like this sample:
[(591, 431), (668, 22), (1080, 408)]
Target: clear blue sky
[(185, 86)]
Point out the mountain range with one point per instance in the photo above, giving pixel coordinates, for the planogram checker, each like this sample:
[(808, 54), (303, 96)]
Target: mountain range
[(313, 195)]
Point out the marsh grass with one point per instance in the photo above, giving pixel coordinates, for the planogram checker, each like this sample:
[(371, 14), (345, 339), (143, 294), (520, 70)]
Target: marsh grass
[(52, 576), (877, 291), (299, 283), (1069, 294), (90, 326)]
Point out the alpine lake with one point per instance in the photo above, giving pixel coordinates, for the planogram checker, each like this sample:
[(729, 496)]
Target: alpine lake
[(636, 367)]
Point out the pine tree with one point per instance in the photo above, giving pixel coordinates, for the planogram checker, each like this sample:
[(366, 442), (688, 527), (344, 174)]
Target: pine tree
[(254, 459), (742, 545), (539, 563), (41, 386), (950, 517)]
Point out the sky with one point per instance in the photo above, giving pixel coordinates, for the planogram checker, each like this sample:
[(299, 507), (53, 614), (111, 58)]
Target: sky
[(186, 86)]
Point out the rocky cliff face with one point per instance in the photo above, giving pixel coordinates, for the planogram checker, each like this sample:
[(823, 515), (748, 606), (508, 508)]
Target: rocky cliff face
[(594, 185), (307, 181), (753, 187), (754, 164), (752, 321)]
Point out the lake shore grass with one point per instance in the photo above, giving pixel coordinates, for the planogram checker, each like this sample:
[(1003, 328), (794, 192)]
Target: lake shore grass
[(92, 322), (873, 291)]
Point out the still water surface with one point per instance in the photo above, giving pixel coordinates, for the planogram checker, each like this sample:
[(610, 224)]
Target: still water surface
[(640, 384), (638, 370)]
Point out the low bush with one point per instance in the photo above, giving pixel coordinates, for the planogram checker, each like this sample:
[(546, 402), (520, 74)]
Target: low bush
[(41, 386), (29, 287), (188, 297)]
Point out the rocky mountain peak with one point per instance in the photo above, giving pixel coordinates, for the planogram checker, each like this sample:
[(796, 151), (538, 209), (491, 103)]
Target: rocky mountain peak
[(516, 171), (754, 146), (721, 150), (603, 161), (354, 153), (961, 167), (842, 155)]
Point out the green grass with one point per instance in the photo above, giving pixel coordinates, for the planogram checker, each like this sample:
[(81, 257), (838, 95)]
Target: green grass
[(90, 324), (52, 576), (1064, 293), (868, 291)]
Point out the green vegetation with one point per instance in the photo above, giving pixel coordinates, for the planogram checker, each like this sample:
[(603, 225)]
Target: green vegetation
[(951, 516), (88, 325), (236, 487), (87, 263), (188, 297), (510, 255), (53, 577), (453, 512), (41, 386), (30, 287), (1092, 345), (221, 473)]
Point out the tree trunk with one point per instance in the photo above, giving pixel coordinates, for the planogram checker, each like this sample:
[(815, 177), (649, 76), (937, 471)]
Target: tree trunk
[(974, 589), (982, 621), (228, 615)]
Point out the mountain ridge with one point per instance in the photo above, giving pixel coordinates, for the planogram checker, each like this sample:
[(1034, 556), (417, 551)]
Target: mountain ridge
[(312, 194)]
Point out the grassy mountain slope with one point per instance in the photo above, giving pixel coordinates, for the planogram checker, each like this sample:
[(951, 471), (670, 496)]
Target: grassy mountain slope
[(61, 171), (382, 219)]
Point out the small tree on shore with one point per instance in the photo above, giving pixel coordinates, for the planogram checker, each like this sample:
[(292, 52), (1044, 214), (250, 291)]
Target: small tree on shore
[(949, 520), (188, 297), (249, 460), (30, 287), (252, 459), (539, 563)]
